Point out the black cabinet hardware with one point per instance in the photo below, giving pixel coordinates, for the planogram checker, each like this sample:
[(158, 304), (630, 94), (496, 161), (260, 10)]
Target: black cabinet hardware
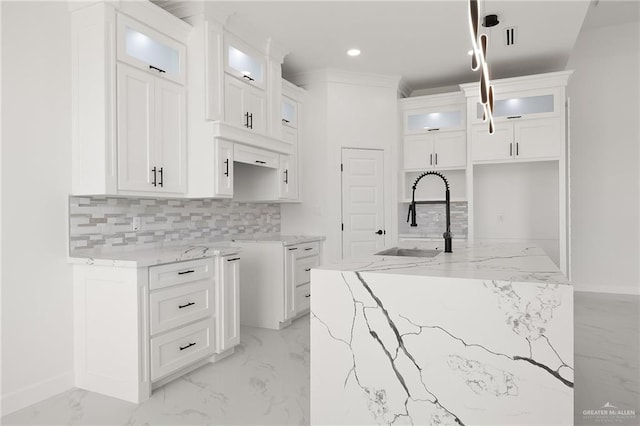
[(154, 177), (245, 76), (379, 232), (433, 130), (161, 183), (431, 159), (307, 295), (517, 148), (182, 348), (284, 120), (251, 121), (436, 158), (308, 248), (188, 304), (307, 270), (246, 120), (293, 248), (226, 163), (510, 149), (261, 162), (190, 271), (286, 176), (151, 67), (233, 260), (514, 116)]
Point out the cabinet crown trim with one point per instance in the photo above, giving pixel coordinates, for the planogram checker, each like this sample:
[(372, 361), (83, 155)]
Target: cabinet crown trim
[(528, 82), (230, 133)]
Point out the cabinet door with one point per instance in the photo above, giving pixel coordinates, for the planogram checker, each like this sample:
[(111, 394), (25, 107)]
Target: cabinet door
[(223, 168), (135, 112), (255, 104), (537, 138), (289, 112), (171, 136), (450, 150), (289, 282), (288, 177), (228, 296), (418, 152), (496, 147), (233, 108)]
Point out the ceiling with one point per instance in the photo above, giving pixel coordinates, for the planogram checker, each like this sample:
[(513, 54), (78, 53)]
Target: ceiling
[(425, 42)]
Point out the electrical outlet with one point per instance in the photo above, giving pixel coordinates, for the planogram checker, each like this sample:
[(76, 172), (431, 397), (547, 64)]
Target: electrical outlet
[(136, 224)]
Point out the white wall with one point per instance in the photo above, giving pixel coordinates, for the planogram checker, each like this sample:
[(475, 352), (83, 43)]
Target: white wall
[(342, 110), (604, 159), (36, 163)]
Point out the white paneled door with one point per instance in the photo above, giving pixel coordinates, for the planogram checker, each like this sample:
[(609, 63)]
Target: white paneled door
[(363, 230)]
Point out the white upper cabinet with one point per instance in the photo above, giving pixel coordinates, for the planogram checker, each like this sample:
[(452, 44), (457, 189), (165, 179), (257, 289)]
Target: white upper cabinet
[(244, 63), (289, 112), (440, 151), (288, 177), (145, 48), (223, 167), (245, 106), (434, 113)]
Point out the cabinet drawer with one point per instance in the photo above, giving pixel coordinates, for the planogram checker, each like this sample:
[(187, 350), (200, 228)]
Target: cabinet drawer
[(181, 347), (303, 298), (176, 306), (303, 269), (179, 273), (305, 250), (255, 156)]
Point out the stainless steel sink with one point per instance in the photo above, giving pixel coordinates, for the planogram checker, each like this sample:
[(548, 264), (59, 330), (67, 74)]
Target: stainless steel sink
[(397, 251)]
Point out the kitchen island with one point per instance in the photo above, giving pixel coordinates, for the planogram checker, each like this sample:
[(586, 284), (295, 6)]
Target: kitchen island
[(480, 336)]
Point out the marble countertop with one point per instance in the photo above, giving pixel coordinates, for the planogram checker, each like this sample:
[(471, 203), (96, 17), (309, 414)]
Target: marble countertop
[(472, 260), (152, 256), (286, 240)]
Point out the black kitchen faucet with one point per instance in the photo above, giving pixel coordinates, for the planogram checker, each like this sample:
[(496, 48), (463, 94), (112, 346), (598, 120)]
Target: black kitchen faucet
[(412, 208)]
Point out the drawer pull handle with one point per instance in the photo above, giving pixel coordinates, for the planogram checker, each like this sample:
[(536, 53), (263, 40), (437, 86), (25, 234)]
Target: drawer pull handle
[(190, 271), (307, 295), (184, 306), (261, 162), (284, 120), (246, 77), (294, 248), (433, 130), (309, 248), (514, 116), (182, 348), (151, 67), (234, 259), (307, 270)]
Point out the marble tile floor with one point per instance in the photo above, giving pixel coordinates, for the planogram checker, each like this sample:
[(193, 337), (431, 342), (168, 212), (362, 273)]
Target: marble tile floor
[(267, 381)]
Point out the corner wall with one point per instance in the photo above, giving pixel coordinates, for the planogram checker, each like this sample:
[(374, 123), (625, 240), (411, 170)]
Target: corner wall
[(605, 140), (37, 358)]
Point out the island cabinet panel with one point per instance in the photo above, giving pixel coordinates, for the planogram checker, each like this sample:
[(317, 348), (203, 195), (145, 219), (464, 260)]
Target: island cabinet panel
[(461, 344)]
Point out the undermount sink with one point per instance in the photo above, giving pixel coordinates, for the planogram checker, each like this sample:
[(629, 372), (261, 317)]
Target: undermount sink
[(397, 251)]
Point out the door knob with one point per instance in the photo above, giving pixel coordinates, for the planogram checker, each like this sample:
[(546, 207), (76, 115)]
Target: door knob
[(379, 232)]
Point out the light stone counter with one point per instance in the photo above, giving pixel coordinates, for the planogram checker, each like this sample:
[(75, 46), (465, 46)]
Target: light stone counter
[(286, 240), (483, 335)]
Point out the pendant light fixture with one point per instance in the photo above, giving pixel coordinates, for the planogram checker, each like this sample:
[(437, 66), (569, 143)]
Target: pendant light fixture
[(479, 62)]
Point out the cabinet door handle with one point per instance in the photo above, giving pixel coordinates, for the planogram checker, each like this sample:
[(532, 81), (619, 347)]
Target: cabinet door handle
[(151, 67), (307, 295), (511, 150), (514, 116), (284, 120), (436, 158), (190, 271), (161, 171), (293, 248), (307, 270), (308, 248), (286, 176), (517, 148), (246, 120), (154, 177), (248, 78), (431, 159), (233, 260), (433, 130), (261, 162), (182, 348), (251, 121), (188, 304), (226, 163)]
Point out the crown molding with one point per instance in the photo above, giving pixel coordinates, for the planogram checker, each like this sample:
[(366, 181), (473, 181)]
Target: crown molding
[(535, 81), (330, 75)]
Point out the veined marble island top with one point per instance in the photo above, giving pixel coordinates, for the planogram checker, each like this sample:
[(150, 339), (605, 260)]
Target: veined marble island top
[(473, 260), (480, 336)]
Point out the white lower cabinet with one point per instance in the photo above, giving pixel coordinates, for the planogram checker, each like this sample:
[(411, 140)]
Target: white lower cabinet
[(273, 280), (138, 328)]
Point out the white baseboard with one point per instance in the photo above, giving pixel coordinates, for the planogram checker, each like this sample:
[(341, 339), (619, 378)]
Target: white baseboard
[(37, 392), (608, 289)]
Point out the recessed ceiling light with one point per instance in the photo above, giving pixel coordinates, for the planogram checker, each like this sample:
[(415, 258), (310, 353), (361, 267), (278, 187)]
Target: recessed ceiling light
[(470, 53), (353, 52)]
